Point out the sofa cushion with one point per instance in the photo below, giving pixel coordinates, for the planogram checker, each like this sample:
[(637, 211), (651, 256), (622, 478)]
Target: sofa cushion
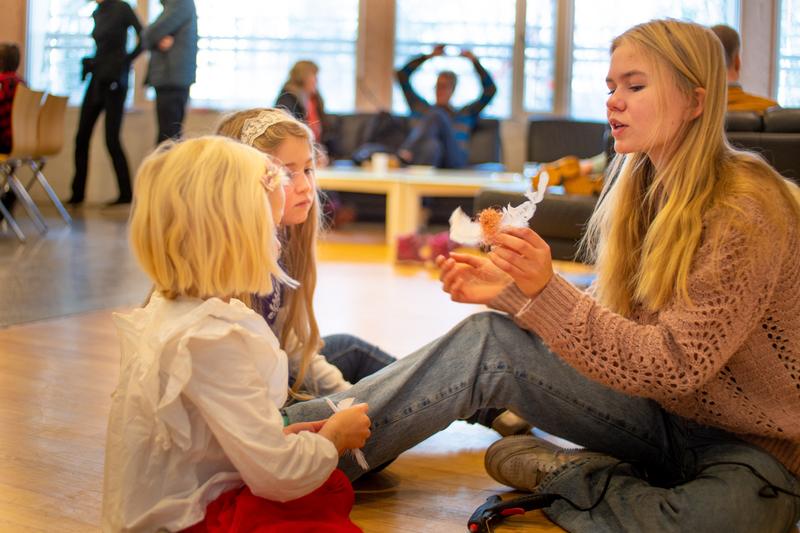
[(743, 121), (550, 139), (782, 120)]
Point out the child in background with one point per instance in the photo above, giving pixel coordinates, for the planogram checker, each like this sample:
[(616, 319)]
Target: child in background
[(195, 437), (9, 79)]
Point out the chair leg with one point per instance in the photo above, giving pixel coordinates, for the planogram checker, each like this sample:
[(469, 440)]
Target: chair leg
[(27, 201), (11, 222), (39, 175)]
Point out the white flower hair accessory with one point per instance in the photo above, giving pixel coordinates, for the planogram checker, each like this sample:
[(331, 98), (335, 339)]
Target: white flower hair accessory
[(274, 176), (255, 127)]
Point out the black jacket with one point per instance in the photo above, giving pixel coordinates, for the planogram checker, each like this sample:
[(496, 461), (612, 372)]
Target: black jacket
[(111, 61)]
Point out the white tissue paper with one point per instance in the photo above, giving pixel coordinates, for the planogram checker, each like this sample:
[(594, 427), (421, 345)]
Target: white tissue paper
[(464, 230), (344, 404)]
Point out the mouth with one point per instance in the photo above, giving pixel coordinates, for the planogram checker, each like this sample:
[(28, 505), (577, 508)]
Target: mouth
[(617, 127)]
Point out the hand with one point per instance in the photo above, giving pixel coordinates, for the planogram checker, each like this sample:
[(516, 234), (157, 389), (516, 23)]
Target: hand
[(523, 255), (468, 54), (471, 279), (438, 50), (313, 427), (347, 429), (166, 43)]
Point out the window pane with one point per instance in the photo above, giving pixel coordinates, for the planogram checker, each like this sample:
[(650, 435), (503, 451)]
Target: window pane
[(246, 48), (59, 36), (485, 28), (540, 38), (596, 25), (789, 54)]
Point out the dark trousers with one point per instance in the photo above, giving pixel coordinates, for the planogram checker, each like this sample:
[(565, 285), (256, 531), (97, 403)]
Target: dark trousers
[(99, 97), (170, 110)]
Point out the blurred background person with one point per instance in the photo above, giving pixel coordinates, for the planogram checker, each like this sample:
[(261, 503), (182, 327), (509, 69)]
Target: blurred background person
[(172, 42), (108, 88), (738, 99)]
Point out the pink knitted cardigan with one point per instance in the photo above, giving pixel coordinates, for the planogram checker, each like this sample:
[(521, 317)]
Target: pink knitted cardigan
[(730, 360)]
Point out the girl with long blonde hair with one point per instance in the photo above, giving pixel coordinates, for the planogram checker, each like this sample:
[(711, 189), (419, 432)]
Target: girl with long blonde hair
[(319, 366), (196, 441), (679, 372)]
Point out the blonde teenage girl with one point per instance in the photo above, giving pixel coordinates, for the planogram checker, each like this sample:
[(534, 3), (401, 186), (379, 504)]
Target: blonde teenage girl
[(195, 438), (680, 372)]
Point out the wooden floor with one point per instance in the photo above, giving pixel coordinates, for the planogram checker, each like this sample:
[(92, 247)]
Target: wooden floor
[(56, 377)]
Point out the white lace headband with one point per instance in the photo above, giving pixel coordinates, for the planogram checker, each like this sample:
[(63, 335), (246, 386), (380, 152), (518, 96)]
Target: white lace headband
[(255, 127)]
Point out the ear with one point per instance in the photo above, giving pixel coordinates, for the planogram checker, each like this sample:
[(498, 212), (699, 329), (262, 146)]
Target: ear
[(698, 102)]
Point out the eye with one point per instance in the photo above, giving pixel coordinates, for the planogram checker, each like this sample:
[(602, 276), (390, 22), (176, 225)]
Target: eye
[(309, 172), (611, 91), (636, 88)]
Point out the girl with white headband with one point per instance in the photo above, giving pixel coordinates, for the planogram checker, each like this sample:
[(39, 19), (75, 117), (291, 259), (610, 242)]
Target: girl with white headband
[(317, 366)]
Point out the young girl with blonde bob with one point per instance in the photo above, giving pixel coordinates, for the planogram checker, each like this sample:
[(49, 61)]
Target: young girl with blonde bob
[(195, 439), (679, 373)]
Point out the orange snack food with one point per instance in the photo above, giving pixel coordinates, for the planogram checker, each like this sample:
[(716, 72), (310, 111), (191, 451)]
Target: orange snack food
[(489, 220)]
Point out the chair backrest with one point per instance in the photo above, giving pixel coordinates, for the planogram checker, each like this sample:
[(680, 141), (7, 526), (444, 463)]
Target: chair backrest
[(24, 121), (51, 126)]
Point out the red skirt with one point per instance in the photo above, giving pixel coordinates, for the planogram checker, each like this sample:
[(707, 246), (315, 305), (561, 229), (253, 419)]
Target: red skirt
[(326, 509)]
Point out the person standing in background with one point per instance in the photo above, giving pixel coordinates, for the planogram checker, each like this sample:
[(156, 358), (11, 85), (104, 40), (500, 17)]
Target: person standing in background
[(738, 99), (107, 90), (172, 42)]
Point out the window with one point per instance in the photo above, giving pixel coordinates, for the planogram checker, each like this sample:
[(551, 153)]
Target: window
[(246, 48), (789, 54), (596, 25), (59, 35), (540, 38), (485, 28)]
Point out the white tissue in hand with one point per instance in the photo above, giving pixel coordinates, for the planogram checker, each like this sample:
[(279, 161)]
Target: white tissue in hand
[(358, 454), (464, 230)]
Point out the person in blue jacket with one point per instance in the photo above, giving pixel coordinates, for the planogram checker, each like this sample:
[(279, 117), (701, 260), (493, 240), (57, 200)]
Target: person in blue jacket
[(441, 134)]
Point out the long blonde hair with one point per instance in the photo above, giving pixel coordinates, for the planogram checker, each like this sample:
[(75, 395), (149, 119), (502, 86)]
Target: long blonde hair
[(646, 230), (300, 332), (201, 224)]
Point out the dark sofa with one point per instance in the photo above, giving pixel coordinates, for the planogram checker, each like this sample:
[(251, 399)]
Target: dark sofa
[(561, 219), (350, 132), (775, 135)]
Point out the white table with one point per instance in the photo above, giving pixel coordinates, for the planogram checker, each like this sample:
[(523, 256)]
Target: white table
[(404, 189)]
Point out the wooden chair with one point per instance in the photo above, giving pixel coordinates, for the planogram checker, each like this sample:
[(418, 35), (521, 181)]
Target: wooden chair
[(50, 140), (24, 123)]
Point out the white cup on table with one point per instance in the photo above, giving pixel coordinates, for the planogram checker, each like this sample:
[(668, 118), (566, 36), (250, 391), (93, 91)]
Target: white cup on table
[(380, 162)]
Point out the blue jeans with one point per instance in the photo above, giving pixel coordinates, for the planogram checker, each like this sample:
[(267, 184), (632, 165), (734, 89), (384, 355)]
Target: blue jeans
[(354, 357), (488, 361), (433, 142)]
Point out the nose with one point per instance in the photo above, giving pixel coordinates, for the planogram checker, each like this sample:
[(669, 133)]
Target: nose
[(615, 102), (301, 182)]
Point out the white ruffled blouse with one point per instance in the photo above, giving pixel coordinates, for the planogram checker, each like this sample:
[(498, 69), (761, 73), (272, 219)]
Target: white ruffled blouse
[(196, 414)]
